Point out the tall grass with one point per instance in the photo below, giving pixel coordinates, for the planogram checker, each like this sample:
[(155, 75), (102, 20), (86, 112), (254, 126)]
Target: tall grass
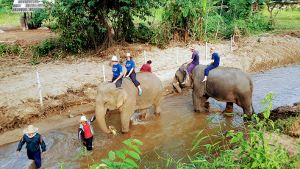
[(8, 18)]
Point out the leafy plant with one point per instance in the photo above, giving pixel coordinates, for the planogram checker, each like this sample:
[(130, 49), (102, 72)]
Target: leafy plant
[(126, 157), (10, 49)]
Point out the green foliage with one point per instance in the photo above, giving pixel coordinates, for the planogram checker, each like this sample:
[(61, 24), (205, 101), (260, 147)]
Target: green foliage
[(6, 49), (46, 47), (126, 157), (143, 33), (5, 5), (37, 18), (202, 20)]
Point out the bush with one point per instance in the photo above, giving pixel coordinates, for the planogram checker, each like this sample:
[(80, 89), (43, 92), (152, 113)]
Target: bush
[(143, 33), (10, 49), (37, 19), (46, 47)]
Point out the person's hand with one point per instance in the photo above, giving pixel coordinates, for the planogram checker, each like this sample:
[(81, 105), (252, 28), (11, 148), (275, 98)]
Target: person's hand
[(18, 153)]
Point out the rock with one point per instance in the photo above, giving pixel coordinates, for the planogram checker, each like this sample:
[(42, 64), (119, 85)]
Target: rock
[(261, 39), (285, 111), (71, 115)]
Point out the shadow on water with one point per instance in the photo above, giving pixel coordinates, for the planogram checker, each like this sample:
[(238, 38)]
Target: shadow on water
[(170, 134)]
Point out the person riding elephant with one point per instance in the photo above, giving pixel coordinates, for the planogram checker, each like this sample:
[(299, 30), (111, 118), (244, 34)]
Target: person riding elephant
[(214, 64), (192, 63), (130, 66), (117, 72), (224, 84), (126, 99)]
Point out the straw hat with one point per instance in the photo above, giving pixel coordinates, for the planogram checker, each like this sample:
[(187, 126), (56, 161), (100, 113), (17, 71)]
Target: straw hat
[(30, 129), (83, 118), (114, 58)]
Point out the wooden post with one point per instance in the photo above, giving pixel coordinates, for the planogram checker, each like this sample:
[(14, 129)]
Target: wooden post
[(177, 59), (205, 51), (231, 43), (39, 88), (103, 73), (145, 57)]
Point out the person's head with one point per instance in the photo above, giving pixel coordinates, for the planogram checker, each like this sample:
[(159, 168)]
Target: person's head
[(212, 49), (114, 60), (83, 120), (30, 131), (128, 56), (192, 48), (149, 62)]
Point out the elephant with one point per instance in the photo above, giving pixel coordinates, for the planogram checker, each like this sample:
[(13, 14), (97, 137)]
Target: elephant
[(127, 100), (224, 84)]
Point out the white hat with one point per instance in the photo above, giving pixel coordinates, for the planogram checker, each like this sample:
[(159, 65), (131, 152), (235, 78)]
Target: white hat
[(30, 129), (128, 54), (83, 118), (114, 58)]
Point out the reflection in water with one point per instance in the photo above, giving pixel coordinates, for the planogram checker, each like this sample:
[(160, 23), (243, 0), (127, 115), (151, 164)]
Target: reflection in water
[(170, 134)]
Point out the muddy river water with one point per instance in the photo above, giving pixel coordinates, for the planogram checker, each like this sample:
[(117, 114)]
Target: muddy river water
[(171, 134)]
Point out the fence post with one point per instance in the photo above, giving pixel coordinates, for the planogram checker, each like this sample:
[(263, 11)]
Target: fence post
[(231, 43), (103, 73), (39, 88), (205, 51), (177, 59)]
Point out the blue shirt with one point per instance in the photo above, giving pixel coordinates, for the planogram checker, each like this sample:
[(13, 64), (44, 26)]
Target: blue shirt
[(117, 69), (129, 65), (216, 58), (195, 57)]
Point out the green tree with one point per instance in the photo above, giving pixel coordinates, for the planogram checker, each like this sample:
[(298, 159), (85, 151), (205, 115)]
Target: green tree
[(96, 24)]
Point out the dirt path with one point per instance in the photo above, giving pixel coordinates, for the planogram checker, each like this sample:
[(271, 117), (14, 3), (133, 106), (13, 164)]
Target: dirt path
[(66, 85)]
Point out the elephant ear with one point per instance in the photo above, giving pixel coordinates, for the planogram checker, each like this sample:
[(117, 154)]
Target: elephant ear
[(121, 97)]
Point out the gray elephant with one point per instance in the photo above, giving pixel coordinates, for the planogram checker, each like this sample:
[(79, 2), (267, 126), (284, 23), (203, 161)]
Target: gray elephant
[(127, 100), (224, 84)]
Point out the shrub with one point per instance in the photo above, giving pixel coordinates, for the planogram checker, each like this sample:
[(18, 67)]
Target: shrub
[(10, 49), (46, 47)]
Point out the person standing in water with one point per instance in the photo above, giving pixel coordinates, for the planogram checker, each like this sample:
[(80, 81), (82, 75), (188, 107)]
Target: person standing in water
[(130, 66), (214, 63), (117, 72), (34, 144), (86, 132)]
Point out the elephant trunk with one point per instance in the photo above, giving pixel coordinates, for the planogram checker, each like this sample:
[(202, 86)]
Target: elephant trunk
[(100, 117), (176, 85)]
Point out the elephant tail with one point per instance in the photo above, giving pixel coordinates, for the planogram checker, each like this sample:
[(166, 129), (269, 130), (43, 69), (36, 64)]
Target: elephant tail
[(251, 88)]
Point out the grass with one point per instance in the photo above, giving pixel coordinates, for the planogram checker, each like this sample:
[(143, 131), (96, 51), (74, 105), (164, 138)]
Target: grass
[(286, 20), (9, 19)]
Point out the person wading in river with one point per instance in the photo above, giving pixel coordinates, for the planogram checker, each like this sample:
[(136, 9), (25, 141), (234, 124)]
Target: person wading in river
[(34, 144), (192, 63), (130, 66), (86, 132)]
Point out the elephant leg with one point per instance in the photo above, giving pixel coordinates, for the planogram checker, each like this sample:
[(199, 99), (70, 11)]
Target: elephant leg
[(125, 119), (199, 103), (157, 108), (229, 107)]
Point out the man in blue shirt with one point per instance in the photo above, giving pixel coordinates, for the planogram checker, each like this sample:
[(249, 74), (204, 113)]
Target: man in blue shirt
[(214, 64), (130, 66), (34, 145), (117, 72)]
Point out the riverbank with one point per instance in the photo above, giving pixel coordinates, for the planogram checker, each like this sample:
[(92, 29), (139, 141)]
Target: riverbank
[(68, 86)]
